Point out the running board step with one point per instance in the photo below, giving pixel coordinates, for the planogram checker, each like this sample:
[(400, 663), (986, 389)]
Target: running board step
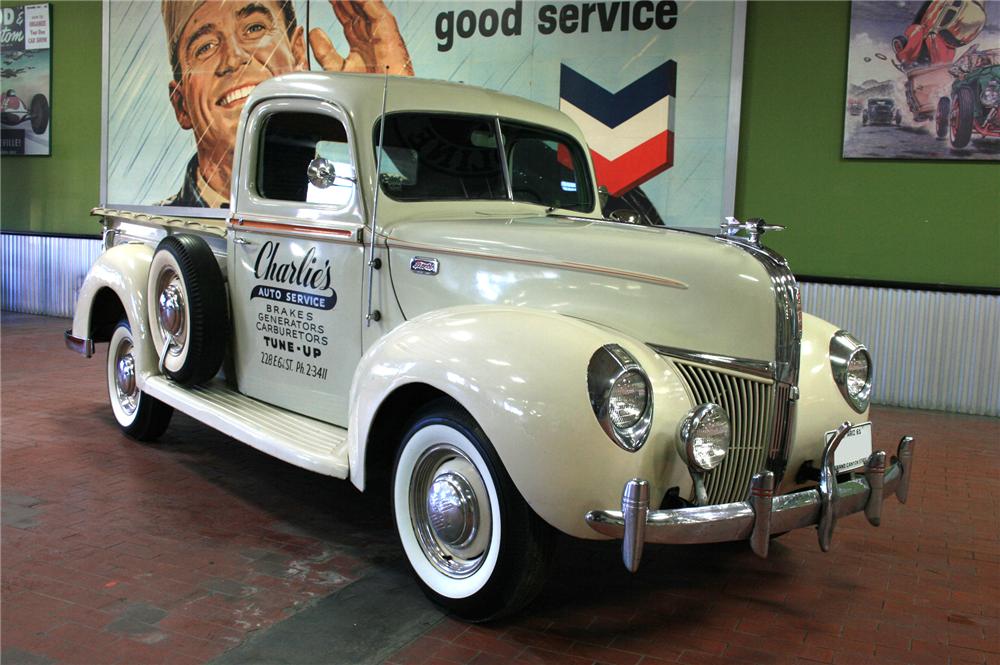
[(296, 439)]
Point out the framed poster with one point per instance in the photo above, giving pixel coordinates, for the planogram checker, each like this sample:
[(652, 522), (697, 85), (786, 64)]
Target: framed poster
[(655, 85), (25, 80), (923, 80)]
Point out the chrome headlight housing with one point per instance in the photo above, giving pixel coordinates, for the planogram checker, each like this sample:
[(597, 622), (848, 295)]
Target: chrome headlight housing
[(621, 396), (852, 370), (703, 437)]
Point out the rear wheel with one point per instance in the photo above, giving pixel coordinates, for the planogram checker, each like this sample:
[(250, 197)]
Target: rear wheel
[(941, 118), (472, 541), (39, 114), (961, 118), (140, 416)]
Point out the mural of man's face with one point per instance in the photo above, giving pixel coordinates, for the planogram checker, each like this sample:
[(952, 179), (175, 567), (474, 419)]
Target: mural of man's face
[(223, 51)]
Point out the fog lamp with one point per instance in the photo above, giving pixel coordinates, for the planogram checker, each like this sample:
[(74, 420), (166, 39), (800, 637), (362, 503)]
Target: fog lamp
[(703, 437)]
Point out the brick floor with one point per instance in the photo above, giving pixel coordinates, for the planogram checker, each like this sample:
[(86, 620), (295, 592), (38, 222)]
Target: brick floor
[(120, 552)]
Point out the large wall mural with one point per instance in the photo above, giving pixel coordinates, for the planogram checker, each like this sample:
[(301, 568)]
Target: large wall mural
[(649, 82)]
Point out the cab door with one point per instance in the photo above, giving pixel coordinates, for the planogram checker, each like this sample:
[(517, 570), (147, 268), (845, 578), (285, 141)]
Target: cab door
[(296, 259)]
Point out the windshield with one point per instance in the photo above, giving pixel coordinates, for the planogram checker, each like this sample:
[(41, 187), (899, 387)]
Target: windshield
[(449, 157)]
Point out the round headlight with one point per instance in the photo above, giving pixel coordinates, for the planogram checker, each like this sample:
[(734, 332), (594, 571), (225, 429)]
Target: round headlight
[(620, 395), (852, 370), (627, 400), (704, 436)]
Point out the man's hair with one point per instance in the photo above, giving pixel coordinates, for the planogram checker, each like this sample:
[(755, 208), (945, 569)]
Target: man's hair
[(287, 13)]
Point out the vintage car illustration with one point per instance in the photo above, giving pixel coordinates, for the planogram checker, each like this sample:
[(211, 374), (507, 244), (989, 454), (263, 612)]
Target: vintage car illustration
[(939, 27), (881, 111), (15, 111), (973, 104), (414, 289)]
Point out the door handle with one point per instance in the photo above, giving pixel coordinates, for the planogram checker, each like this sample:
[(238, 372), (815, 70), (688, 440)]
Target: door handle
[(241, 241)]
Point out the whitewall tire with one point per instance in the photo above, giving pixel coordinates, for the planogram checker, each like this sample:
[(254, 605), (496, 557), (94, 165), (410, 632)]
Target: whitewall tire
[(471, 540), (139, 415), (186, 302)]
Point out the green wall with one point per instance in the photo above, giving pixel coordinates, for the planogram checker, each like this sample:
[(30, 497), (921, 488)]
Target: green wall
[(927, 222), (910, 221), (55, 194)]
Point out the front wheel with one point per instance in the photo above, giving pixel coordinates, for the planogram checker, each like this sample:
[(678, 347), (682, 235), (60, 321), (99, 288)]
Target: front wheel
[(140, 416), (472, 541), (961, 118)]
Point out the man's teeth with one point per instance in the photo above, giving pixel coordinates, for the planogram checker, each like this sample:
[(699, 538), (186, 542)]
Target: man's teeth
[(236, 95)]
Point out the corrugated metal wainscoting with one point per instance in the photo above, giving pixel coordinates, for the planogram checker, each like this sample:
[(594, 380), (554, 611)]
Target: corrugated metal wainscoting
[(931, 349), (43, 274)]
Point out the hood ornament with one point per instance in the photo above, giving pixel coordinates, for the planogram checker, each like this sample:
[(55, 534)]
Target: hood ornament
[(755, 228)]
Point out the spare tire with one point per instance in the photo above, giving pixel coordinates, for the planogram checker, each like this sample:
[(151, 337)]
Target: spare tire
[(186, 302)]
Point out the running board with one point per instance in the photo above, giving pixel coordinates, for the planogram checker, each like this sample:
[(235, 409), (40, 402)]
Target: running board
[(296, 439)]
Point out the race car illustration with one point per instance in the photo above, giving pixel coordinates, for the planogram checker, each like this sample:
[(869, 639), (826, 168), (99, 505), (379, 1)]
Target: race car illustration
[(974, 103), (14, 111), (939, 27), (881, 111)]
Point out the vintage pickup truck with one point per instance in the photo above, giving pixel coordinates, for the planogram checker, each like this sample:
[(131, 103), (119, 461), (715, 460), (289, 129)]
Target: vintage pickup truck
[(466, 332)]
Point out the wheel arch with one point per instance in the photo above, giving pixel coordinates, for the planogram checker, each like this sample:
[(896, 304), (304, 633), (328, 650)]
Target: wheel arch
[(522, 376), (114, 287), (389, 423)]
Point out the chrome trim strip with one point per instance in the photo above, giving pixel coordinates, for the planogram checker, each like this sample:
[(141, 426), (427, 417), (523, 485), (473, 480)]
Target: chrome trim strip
[(739, 521), (787, 346), (759, 368), (84, 347), (788, 332), (566, 265)]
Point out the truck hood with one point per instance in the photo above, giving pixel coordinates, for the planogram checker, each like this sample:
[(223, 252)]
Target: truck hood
[(661, 286)]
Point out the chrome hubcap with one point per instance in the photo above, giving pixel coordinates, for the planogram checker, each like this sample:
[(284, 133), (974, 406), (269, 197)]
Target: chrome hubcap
[(450, 510), (170, 312), (125, 388)]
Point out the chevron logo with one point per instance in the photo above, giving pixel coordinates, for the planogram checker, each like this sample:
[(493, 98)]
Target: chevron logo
[(630, 132)]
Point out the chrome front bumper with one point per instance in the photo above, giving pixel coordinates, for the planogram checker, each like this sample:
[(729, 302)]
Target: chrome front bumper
[(762, 513)]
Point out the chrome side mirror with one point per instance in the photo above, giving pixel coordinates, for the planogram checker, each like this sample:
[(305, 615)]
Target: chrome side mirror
[(625, 216), (321, 173), (602, 196)]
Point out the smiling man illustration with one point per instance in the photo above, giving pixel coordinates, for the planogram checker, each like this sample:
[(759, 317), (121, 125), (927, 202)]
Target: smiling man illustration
[(220, 50)]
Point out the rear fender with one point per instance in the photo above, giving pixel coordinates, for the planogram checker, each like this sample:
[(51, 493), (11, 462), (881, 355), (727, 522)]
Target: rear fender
[(522, 375), (124, 270)]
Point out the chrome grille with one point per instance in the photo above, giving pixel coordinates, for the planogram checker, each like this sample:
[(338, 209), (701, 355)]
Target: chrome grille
[(750, 405)]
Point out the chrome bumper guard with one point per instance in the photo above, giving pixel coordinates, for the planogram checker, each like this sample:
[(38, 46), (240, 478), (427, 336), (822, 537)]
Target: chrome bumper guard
[(762, 513), (81, 346)]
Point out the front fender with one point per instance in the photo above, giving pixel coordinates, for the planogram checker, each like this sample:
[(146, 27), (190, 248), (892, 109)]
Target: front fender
[(821, 407), (125, 270), (522, 374)]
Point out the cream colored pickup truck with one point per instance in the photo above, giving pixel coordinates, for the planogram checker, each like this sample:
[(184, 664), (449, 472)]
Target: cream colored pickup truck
[(422, 296)]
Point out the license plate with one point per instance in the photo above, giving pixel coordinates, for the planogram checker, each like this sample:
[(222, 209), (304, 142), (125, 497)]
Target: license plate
[(854, 450)]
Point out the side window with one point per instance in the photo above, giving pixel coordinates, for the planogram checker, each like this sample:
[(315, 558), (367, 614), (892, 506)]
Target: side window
[(290, 141), (546, 169)]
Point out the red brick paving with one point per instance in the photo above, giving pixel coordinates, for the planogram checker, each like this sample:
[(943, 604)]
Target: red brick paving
[(120, 552)]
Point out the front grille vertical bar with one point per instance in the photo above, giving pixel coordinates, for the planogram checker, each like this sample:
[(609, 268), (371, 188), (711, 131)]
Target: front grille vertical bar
[(756, 422)]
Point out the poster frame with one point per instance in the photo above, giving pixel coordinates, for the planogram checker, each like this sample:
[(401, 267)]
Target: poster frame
[(49, 7)]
